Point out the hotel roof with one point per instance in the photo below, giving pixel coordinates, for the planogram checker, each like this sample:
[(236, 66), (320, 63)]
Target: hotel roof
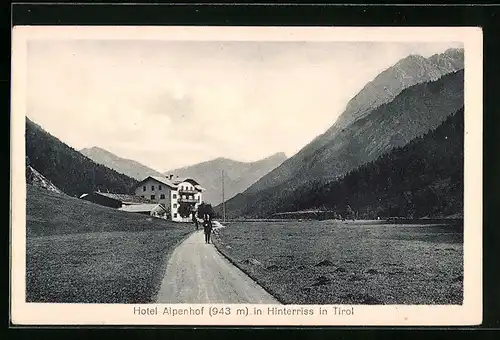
[(171, 183), (142, 207), (125, 198)]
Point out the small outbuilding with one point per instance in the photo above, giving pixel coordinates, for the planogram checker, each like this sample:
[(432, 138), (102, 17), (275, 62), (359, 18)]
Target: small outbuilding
[(155, 210), (113, 200), (99, 198), (127, 199)]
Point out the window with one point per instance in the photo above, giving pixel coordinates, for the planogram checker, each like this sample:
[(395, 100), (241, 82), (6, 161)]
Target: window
[(162, 196), (175, 215), (159, 187), (174, 196), (198, 198), (152, 188), (153, 197), (142, 196), (175, 205), (144, 188)]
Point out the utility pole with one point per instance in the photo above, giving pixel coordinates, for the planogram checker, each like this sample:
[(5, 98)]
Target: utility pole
[(223, 200)]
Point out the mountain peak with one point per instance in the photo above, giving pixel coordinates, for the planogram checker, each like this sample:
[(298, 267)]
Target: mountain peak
[(238, 176), (412, 57), (224, 159), (96, 149), (451, 52), (454, 50), (278, 155), (228, 161), (332, 153), (411, 70), (413, 112), (125, 166)]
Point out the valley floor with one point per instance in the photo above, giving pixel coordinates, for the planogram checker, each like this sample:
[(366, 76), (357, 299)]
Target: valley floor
[(335, 262), (79, 252)]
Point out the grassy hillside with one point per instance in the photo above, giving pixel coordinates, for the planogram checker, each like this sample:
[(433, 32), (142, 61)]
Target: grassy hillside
[(80, 252), (422, 179), (68, 169), (411, 114)]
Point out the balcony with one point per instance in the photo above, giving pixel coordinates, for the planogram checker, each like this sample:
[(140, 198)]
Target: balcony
[(187, 200), (187, 191)]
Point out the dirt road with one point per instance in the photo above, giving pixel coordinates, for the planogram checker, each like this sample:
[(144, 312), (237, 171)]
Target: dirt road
[(197, 273)]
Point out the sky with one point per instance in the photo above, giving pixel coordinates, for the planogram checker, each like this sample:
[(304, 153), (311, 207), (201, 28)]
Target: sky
[(168, 104)]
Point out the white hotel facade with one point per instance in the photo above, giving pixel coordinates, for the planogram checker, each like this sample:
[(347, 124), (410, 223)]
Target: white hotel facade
[(171, 193)]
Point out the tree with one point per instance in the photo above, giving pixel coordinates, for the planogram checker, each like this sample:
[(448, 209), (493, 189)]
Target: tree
[(184, 210), (205, 209), (349, 212)]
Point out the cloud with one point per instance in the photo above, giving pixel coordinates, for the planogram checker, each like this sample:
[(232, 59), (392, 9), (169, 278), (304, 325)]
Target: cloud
[(170, 104), (178, 107)]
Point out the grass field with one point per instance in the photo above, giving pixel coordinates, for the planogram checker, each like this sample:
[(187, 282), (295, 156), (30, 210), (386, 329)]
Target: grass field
[(80, 252), (334, 262)]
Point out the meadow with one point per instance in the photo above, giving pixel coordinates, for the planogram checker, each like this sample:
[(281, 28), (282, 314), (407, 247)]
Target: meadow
[(349, 262), (80, 252)]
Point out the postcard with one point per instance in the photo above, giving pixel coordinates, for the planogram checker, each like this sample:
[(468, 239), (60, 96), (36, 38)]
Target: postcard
[(262, 176)]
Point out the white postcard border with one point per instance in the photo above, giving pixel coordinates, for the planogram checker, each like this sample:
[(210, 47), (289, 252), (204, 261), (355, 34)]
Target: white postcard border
[(470, 313)]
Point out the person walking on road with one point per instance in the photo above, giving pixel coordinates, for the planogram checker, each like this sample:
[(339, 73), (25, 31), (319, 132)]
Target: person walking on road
[(207, 228), (195, 220)]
